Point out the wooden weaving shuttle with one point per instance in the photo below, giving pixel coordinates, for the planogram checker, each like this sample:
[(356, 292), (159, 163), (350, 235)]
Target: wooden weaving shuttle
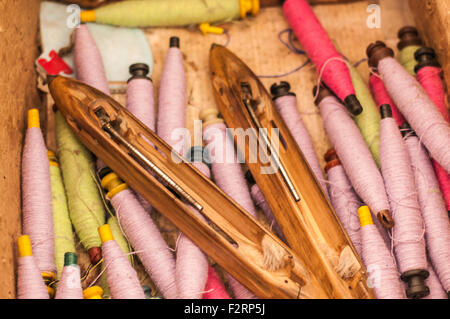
[(296, 199), (232, 237)]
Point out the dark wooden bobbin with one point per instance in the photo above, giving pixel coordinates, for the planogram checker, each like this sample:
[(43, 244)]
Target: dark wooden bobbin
[(351, 103), (139, 71), (332, 159), (425, 57), (408, 36), (378, 51), (174, 42), (281, 89), (416, 283)]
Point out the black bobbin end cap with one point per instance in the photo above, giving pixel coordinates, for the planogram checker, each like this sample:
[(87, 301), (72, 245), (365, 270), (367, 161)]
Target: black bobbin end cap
[(139, 71), (406, 129), (425, 57), (415, 279), (174, 42), (408, 36), (281, 89), (249, 177), (104, 171), (377, 51), (352, 104), (385, 111)]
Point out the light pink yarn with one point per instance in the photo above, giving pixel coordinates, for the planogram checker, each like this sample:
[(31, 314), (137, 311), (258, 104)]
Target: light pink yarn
[(88, 60), (122, 279), (436, 290), (145, 238), (287, 106), (354, 154), (191, 262), (172, 100), (345, 203), (380, 264), (37, 211), (407, 233), (418, 109), (69, 285), (30, 284), (434, 212), (141, 102), (214, 288)]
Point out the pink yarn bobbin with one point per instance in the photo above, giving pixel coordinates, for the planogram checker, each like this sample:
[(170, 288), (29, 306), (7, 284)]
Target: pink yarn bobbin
[(344, 200), (354, 155), (172, 98), (380, 264), (214, 287), (321, 51), (30, 284), (286, 103), (429, 75), (122, 279), (37, 210), (436, 289), (381, 97), (434, 213), (407, 234), (69, 285), (413, 102)]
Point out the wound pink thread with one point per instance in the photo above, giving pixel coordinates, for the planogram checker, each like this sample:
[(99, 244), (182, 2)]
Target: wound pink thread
[(380, 265), (436, 290), (69, 284), (317, 44), (88, 60), (172, 99), (145, 238), (434, 213), (407, 233), (354, 154), (287, 106), (37, 211), (191, 262), (141, 102), (260, 201), (345, 203), (214, 288), (418, 109), (30, 284), (122, 279), (430, 78), (381, 97)]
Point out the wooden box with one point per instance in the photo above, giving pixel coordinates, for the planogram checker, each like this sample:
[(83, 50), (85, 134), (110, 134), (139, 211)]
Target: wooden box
[(254, 40)]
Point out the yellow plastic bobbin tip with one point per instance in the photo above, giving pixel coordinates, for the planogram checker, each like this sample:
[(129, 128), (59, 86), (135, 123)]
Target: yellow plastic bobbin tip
[(207, 28), (51, 291), (113, 184), (33, 118), (24, 244), (94, 292), (249, 6), (365, 217), (105, 233), (87, 16)]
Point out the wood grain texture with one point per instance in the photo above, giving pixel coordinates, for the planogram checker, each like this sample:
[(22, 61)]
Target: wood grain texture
[(18, 30), (433, 22)]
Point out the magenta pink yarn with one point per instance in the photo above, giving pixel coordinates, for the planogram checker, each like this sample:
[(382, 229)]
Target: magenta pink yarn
[(88, 60), (121, 277), (317, 44), (214, 288), (434, 212), (430, 79), (141, 102), (380, 264), (418, 109), (145, 238), (287, 106), (354, 154), (69, 284), (407, 233), (345, 203), (172, 100), (37, 211), (260, 201), (381, 97), (30, 284)]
